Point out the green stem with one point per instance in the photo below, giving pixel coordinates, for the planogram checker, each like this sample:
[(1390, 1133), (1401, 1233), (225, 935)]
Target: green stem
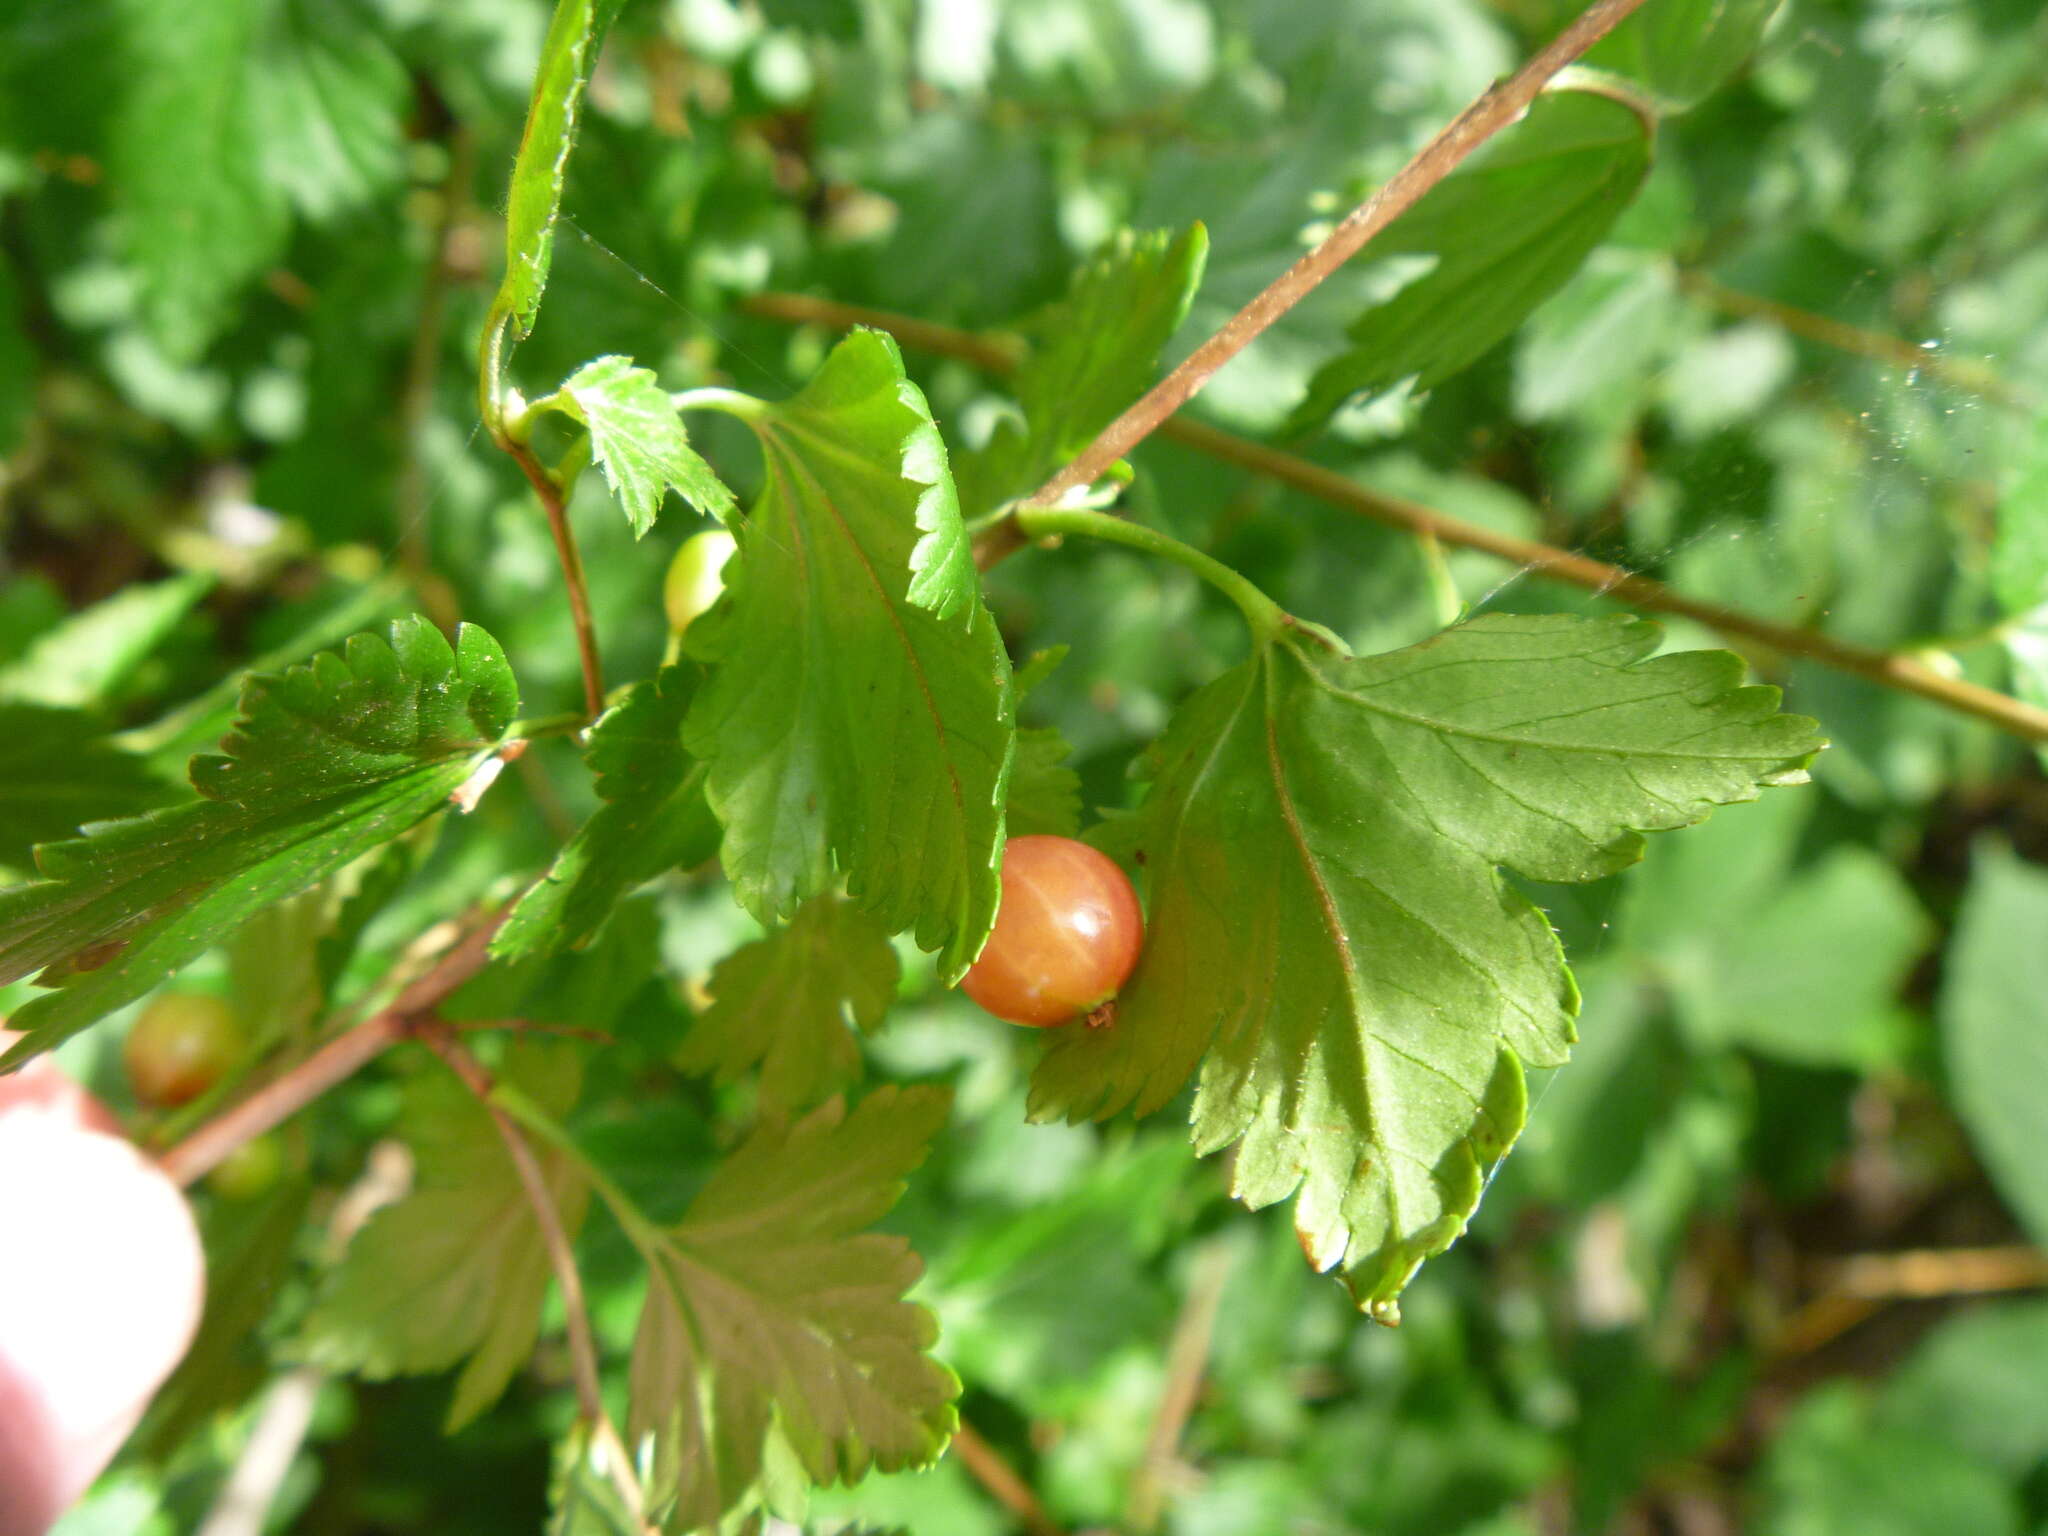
[(712, 398), (490, 373), (547, 725), (1264, 615)]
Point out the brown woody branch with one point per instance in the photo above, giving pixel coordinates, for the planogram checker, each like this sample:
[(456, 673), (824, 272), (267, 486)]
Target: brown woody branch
[(1906, 674), (1961, 373), (335, 1062), (1496, 107)]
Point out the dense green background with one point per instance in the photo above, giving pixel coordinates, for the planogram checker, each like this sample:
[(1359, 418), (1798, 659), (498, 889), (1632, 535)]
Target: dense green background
[(1813, 1028)]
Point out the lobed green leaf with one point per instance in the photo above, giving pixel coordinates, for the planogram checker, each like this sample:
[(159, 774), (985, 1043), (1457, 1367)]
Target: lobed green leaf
[(326, 762), (788, 1003), (859, 715), (771, 1313), (638, 441), (1502, 234), (1330, 937), (1095, 351), (1045, 794), (654, 819)]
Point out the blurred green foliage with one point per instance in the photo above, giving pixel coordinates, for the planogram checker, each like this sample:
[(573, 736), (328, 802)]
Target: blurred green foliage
[(245, 251)]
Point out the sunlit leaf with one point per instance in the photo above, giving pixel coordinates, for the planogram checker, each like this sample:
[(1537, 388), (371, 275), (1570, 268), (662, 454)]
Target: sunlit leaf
[(858, 718), (326, 762), (197, 214), (637, 439), (538, 175)]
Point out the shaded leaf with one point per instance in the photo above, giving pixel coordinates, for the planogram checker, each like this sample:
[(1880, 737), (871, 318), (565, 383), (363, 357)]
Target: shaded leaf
[(198, 216), (1683, 50), (1976, 1382), (1329, 935), (637, 439), (654, 819), (1095, 352), (858, 717), (457, 1270), (329, 97), (588, 988), (772, 1313), (81, 661), (1832, 1471), (326, 762), (1997, 1053), (1727, 916), (57, 773), (789, 1002), (1045, 794), (1503, 233)]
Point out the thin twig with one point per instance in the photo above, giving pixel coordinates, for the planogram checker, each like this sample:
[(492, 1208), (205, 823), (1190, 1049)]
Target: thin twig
[(1496, 107), (1963, 373), (416, 394), (986, 1466), (1861, 1286), (995, 353), (1903, 673), (335, 1062), (561, 1257), (1919, 1273), (1187, 1357), (557, 510), (243, 1505)]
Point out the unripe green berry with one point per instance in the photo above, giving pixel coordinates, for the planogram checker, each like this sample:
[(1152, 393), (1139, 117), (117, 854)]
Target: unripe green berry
[(248, 1171), (696, 576)]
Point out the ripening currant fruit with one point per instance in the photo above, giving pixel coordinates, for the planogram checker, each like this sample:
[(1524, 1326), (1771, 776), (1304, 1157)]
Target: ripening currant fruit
[(1068, 931), (180, 1047), (696, 576)]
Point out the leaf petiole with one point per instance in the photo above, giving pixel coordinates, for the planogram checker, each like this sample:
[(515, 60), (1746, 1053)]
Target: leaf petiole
[(711, 398), (1265, 616)]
